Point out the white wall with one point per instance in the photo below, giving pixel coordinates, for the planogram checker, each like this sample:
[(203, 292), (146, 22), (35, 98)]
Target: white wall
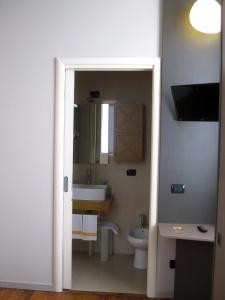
[(32, 33), (165, 275)]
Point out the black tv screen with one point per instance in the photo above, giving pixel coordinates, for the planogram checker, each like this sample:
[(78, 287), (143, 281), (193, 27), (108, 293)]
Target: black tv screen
[(196, 102)]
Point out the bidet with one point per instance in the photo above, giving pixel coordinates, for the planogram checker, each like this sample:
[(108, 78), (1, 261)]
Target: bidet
[(138, 238)]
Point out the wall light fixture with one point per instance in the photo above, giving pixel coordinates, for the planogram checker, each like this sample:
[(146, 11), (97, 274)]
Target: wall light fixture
[(205, 16)]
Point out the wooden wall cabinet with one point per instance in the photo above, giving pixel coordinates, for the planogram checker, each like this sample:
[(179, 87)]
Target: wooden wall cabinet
[(129, 133)]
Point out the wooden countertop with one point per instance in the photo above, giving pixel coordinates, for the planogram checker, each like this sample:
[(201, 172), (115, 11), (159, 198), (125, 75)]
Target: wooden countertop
[(93, 205), (188, 232)]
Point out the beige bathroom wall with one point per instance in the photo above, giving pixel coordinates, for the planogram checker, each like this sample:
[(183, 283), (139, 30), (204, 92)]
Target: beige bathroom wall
[(131, 194)]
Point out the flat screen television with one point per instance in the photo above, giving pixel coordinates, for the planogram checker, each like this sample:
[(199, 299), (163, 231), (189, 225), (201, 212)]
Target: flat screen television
[(196, 102)]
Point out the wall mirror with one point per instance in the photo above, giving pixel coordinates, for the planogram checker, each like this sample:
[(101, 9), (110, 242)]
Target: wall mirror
[(93, 132)]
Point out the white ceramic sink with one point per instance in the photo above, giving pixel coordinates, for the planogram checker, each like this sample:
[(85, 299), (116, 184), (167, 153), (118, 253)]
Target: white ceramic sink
[(90, 192)]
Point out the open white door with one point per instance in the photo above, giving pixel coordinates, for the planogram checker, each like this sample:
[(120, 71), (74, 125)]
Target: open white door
[(68, 178)]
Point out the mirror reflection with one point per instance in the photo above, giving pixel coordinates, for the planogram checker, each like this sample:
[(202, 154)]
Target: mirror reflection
[(92, 136)]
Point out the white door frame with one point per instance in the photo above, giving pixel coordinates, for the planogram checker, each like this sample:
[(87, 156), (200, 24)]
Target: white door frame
[(107, 64), (68, 173)]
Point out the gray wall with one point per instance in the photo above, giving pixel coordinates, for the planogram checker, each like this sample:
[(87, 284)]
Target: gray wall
[(188, 149), (32, 33), (219, 271)]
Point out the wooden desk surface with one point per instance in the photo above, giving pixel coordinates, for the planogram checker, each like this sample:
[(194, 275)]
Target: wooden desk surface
[(188, 232)]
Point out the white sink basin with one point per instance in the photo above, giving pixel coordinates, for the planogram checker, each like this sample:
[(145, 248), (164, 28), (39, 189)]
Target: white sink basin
[(90, 192)]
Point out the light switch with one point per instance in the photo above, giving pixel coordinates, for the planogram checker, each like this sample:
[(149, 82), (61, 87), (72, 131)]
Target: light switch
[(177, 188)]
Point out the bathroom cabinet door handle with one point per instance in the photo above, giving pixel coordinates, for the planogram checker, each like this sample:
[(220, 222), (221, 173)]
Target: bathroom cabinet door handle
[(66, 184)]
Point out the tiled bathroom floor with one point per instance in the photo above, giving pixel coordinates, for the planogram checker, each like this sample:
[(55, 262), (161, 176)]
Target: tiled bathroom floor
[(116, 275)]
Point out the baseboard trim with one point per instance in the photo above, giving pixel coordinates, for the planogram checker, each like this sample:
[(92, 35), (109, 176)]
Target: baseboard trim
[(27, 286)]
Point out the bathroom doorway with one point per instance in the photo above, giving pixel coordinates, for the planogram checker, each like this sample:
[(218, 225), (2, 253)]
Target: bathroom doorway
[(118, 65), (111, 151)]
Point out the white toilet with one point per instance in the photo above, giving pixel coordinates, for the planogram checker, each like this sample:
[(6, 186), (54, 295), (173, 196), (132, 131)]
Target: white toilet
[(138, 238)]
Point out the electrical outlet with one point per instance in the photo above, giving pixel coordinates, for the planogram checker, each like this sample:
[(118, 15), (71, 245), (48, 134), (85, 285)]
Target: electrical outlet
[(131, 172), (219, 239), (172, 264)]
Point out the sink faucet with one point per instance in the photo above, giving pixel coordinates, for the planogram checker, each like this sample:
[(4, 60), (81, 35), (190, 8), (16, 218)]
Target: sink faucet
[(142, 221), (89, 175)]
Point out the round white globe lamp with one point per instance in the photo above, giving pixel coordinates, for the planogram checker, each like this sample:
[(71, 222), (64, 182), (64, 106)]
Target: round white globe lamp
[(205, 16)]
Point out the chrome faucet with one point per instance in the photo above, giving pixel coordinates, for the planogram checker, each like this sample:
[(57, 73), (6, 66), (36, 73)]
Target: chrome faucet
[(89, 175), (142, 221)]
